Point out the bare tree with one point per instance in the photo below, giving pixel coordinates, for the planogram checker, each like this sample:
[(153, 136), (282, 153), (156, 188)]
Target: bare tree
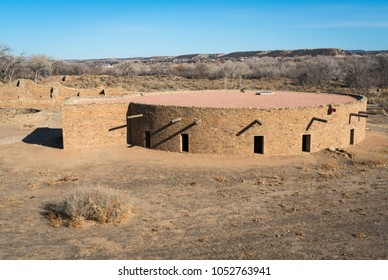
[(130, 69), (125, 69), (39, 65), (15, 66), (5, 55), (359, 72), (382, 71)]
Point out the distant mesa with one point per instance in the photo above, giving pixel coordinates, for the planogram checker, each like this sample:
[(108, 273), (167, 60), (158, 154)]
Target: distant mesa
[(238, 56), (279, 54)]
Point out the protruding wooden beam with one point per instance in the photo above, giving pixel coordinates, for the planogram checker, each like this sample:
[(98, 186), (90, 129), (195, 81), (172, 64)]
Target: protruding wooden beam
[(315, 119), (198, 121), (135, 116), (320, 120), (258, 122), (249, 126), (117, 127), (356, 115), (175, 120)]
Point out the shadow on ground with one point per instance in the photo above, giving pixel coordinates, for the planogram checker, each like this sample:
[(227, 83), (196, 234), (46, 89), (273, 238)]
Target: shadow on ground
[(49, 137)]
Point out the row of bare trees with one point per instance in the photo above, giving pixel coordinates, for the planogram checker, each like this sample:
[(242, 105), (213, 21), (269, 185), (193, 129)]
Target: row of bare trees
[(357, 72), (13, 67)]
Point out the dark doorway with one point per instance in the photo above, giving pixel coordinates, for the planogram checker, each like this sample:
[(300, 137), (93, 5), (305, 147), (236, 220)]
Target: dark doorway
[(147, 136), (184, 143), (352, 136), (258, 144), (306, 143)]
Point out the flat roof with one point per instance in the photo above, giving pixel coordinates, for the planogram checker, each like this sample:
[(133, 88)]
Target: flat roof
[(280, 99), (230, 99)]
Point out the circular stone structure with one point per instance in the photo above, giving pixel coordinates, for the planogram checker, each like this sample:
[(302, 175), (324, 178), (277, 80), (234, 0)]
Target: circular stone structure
[(246, 123)]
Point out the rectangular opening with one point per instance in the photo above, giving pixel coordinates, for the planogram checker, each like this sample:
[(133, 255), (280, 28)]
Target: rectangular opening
[(352, 136), (147, 139), (306, 143), (258, 144), (184, 143)]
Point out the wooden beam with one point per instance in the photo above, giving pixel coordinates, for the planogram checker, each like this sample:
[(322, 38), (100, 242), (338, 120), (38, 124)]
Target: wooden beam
[(198, 121), (258, 122), (358, 115), (135, 116), (117, 127), (320, 120), (249, 126), (315, 119), (176, 120)]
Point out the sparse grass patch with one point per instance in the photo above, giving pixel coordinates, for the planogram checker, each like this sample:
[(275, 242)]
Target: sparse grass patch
[(360, 235), (10, 202), (33, 185), (97, 204), (65, 179), (220, 179), (330, 164), (371, 159)]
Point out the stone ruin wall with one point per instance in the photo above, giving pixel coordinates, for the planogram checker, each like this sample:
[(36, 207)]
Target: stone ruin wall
[(93, 125), (221, 130)]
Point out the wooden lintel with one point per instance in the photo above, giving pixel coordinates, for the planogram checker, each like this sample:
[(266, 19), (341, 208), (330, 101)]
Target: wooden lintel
[(248, 127), (258, 122), (358, 115), (315, 119), (176, 120), (320, 120), (135, 116)]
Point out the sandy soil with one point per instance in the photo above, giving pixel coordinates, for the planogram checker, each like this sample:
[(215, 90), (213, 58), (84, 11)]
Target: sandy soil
[(317, 206)]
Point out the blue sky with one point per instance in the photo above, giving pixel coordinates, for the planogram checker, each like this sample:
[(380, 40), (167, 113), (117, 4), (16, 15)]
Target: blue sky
[(101, 29)]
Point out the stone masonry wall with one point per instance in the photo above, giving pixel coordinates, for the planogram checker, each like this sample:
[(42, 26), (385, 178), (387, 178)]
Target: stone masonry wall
[(227, 131), (91, 125), (221, 130)]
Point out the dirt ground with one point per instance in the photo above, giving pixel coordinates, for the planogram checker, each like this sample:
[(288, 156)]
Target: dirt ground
[(328, 205)]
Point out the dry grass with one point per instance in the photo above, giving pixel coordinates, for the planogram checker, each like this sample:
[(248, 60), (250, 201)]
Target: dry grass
[(330, 164), (371, 159), (360, 235), (97, 204), (65, 179), (10, 202)]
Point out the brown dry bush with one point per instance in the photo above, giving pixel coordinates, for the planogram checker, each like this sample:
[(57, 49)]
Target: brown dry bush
[(98, 204), (371, 159), (330, 164)]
